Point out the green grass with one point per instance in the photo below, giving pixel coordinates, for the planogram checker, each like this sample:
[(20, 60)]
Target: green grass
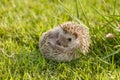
[(22, 22)]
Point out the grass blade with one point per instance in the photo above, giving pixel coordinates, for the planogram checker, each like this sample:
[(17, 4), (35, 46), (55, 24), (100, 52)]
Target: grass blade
[(116, 52)]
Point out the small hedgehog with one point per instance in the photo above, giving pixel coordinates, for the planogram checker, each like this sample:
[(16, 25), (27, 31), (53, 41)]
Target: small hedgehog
[(65, 41)]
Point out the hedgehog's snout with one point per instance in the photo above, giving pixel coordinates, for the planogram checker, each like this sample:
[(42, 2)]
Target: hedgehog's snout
[(62, 41), (58, 43)]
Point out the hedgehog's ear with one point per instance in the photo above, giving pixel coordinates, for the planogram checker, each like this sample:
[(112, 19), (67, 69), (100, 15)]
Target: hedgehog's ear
[(65, 31), (75, 34)]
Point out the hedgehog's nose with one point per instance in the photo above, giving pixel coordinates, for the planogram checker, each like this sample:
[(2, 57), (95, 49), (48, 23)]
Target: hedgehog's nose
[(58, 42), (61, 43)]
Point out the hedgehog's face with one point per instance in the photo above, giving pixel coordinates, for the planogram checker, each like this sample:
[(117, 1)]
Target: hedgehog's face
[(71, 39), (62, 38)]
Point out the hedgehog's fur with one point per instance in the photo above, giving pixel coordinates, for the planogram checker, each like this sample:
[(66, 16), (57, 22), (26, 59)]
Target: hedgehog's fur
[(81, 32), (65, 51)]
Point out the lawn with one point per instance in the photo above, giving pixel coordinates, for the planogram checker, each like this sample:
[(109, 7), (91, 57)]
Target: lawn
[(22, 22)]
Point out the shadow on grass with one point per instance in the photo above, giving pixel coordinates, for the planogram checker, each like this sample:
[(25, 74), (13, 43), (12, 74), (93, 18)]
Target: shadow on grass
[(33, 63)]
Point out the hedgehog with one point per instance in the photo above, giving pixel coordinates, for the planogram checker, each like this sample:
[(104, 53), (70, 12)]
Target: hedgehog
[(65, 42)]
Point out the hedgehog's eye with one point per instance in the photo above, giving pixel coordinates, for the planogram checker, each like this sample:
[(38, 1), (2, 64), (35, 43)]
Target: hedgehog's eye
[(69, 39)]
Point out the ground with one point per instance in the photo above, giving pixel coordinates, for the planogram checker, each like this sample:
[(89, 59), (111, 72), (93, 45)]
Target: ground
[(22, 22)]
